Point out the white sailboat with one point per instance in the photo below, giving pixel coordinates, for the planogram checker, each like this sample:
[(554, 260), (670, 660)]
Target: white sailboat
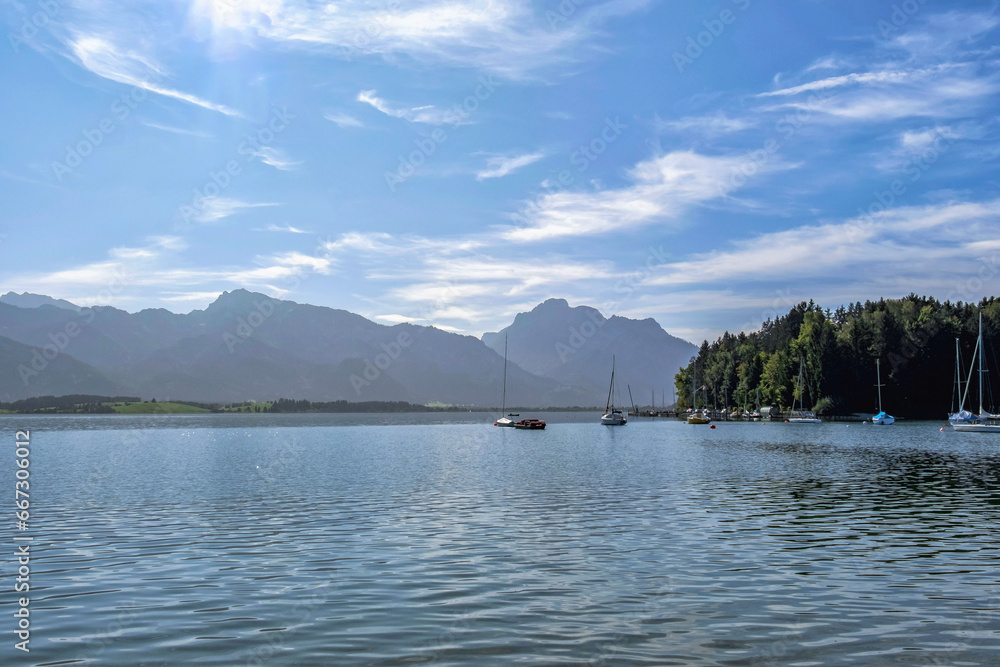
[(612, 415), (801, 416), (963, 420), (696, 416), (881, 419), (505, 421)]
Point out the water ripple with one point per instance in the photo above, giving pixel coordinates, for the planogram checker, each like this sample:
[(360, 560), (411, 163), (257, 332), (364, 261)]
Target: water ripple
[(305, 542)]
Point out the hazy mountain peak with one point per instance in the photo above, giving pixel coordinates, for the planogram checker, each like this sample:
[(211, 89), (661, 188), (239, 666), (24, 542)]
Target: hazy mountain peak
[(28, 300), (574, 346), (550, 304)]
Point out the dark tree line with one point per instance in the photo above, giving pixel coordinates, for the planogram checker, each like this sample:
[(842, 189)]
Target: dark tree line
[(83, 403), (914, 339)]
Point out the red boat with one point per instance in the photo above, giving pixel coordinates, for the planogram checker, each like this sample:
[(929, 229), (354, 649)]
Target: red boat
[(531, 424)]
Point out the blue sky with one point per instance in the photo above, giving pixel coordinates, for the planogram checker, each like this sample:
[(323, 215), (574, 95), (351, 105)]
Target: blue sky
[(708, 164)]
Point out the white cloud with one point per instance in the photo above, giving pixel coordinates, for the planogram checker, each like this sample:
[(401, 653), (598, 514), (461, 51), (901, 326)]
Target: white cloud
[(427, 114), (277, 228), (183, 297), (132, 68), (502, 36), (176, 130), (945, 33), (214, 209), (662, 189), (915, 146), (843, 80), (711, 124), (899, 243), (276, 158), (343, 120), (501, 165)]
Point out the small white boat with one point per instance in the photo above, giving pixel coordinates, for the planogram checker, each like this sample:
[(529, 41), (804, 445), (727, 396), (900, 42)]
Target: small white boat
[(505, 421), (801, 416), (963, 420), (697, 416), (613, 416)]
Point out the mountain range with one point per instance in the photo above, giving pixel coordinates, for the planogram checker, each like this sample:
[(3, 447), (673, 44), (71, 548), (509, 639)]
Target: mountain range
[(247, 345)]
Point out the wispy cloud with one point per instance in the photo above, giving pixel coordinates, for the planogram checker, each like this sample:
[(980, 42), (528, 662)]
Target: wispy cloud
[(276, 158), (864, 78), (502, 36), (279, 228), (176, 130), (662, 189), (427, 114), (184, 297), (132, 68), (214, 209), (501, 165), (711, 124), (911, 145), (343, 120), (455, 282), (898, 243)]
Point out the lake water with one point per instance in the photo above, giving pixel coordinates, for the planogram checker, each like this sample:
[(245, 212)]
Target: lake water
[(440, 539)]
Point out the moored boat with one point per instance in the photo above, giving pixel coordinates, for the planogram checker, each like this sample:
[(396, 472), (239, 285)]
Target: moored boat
[(505, 421), (613, 416), (801, 416), (530, 424), (963, 420), (697, 416), (881, 419)]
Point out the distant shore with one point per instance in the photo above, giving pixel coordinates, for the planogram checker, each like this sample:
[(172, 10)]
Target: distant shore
[(107, 405)]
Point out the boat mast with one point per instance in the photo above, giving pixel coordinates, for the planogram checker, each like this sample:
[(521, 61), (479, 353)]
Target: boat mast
[(968, 380), (958, 379), (801, 402), (694, 385), (878, 372), (503, 407), (979, 345), (612, 384)]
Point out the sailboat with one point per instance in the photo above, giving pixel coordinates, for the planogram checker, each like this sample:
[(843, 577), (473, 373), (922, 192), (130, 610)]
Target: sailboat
[(612, 415), (505, 421), (696, 416), (801, 416), (881, 419), (963, 420)]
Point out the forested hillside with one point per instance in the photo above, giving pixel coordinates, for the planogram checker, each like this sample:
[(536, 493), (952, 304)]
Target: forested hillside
[(913, 337)]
